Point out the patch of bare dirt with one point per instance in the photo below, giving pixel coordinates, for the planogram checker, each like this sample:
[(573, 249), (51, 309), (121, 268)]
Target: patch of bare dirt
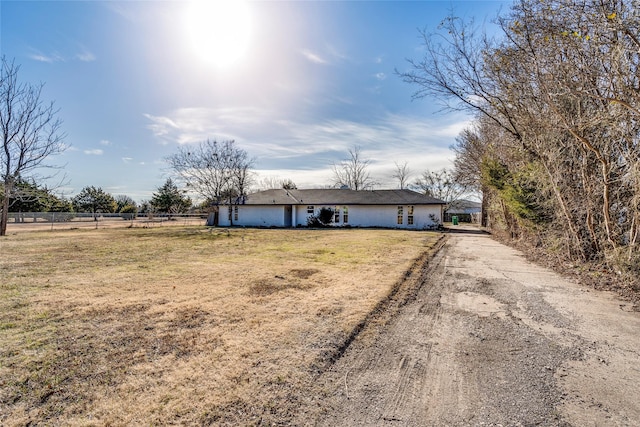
[(487, 338)]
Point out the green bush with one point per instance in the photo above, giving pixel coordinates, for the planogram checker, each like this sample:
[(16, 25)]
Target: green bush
[(129, 212)]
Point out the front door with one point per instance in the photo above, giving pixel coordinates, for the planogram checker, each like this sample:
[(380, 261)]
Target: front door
[(287, 215)]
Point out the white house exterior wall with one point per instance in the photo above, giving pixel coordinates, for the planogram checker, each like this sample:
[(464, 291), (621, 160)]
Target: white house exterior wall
[(298, 212), (423, 214), (358, 216), (302, 214), (387, 216), (254, 216), (378, 216)]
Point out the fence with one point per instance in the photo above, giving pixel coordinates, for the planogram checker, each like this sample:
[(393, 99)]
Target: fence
[(68, 220), (473, 218)]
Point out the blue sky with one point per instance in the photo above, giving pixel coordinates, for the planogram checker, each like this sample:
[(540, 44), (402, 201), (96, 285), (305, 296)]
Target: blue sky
[(312, 80)]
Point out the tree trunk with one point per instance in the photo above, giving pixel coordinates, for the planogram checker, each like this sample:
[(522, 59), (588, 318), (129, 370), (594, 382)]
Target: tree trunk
[(483, 209), (604, 170), (606, 204), (4, 217), (565, 211)]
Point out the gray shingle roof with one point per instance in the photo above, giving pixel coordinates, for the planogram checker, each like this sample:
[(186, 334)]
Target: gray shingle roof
[(339, 197), (461, 205)]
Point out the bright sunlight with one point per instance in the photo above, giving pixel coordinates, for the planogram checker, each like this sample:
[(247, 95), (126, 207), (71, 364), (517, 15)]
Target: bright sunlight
[(219, 30)]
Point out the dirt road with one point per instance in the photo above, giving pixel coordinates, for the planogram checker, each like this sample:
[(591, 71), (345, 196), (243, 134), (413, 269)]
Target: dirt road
[(490, 339)]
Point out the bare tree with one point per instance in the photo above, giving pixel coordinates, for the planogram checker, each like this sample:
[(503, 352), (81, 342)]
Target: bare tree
[(269, 183), (453, 72), (353, 172), (558, 148), (441, 185), (274, 182), (123, 201), (288, 184), (402, 174), (472, 149), (575, 78), (214, 170), (241, 175), (30, 133)]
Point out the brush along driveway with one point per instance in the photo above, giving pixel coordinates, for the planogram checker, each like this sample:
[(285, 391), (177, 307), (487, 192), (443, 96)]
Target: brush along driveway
[(490, 339)]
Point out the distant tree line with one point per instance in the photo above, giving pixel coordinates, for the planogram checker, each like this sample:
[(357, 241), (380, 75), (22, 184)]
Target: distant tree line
[(167, 199), (555, 147)]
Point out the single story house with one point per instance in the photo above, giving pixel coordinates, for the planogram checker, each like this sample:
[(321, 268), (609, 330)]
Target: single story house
[(465, 210), (369, 208)]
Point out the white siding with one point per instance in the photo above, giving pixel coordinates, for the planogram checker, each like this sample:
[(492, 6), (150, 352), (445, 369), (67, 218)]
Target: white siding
[(254, 216), (423, 213), (387, 216), (379, 216), (300, 214), (359, 216)]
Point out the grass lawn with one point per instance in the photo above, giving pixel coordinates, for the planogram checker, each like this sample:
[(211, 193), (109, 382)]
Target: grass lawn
[(182, 325)]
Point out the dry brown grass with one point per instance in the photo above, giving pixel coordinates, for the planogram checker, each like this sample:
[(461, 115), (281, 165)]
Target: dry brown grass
[(182, 325)]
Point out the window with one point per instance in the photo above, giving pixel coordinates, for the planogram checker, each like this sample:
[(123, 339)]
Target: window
[(336, 215), (409, 215), (235, 213), (400, 215), (230, 210), (345, 215), (309, 209)]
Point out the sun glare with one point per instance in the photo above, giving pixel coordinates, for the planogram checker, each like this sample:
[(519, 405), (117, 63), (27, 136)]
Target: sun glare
[(219, 30)]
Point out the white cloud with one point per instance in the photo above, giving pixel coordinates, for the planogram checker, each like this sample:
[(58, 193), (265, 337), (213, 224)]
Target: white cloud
[(127, 159), (313, 57), (43, 57), (192, 125), (380, 76), (454, 129), (86, 56), (127, 10), (161, 127), (94, 152), (293, 143), (105, 142), (335, 53)]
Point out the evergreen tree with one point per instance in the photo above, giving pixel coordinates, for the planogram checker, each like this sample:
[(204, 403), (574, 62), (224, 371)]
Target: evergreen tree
[(94, 200), (170, 199)]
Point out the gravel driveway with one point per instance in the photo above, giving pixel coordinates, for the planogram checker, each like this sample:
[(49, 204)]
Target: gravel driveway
[(488, 339)]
